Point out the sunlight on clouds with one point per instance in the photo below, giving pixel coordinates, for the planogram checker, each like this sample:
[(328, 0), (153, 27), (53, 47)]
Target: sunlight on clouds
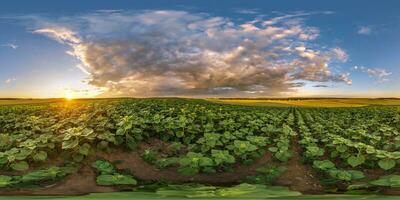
[(157, 53), (62, 35)]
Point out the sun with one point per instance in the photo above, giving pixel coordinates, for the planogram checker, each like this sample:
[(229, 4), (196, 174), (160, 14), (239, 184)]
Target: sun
[(69, 95)]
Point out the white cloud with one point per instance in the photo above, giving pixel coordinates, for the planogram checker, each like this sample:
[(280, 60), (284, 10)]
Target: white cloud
[(10, 45), (289, 18), (364, 30), (247, 11), (382, 75), (61, 34), (10, 80), (155, 53), (340, 54)]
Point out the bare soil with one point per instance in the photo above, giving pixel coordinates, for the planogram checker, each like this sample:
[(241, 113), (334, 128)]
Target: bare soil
[(299, 177)]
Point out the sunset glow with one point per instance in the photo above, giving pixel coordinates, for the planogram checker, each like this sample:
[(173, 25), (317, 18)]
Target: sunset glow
[(69, 96)]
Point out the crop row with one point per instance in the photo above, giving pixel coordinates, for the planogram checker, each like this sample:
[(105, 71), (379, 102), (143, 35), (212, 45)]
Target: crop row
[(198, 136)]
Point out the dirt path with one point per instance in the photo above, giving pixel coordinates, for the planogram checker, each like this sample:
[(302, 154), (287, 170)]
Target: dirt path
[(299, 177)]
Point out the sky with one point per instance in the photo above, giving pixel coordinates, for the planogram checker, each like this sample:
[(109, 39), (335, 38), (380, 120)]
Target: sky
[(199, 48)]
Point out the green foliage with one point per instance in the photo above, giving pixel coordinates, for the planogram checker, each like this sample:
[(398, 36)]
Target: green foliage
[(20, 166), (358, 186), (149, 156), (323, 165), (209, 141), (343, 175), (40, 156), (387, 164), (85, 149), (242, 148), (266, 175), (193, 163), (346, 175), (257, 140), (342, 148), (51, 173), (223, 135), (340, 174), (355, 161), (37, 176), (368, 141), (355, 174), (73, 136), (283, 155), (5, 181), (281, 150), (314, 152), (166, 162), (176, 146), (222, 157), (115, 179), (203, 137), (110, 176), (103, 166), (388, 181)]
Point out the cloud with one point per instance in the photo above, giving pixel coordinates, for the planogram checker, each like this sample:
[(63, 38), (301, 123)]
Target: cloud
[(294, 16), (86, 92), (320, 86), (364, 30), (247, 11), (10, 45), (340, 54), (159, 53), (10, 80), (61, 34), (380, 74)]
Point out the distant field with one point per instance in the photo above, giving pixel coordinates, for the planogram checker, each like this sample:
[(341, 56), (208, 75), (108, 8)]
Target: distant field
[(312, 102), (26, 101), (329, 103)]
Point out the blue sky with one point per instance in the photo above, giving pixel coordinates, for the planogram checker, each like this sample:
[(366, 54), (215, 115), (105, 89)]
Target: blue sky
[(199, 48)]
